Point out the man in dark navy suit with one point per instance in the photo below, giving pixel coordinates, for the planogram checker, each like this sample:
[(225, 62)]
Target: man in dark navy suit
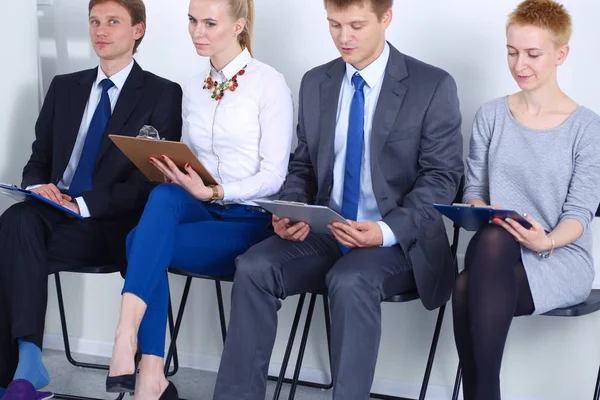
[(75, 164)]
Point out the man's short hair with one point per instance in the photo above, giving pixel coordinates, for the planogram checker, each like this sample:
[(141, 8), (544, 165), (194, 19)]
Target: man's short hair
[(378, 6)]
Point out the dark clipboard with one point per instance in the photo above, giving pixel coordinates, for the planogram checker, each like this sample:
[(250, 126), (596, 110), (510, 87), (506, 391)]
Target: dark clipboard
[(19, 194), (139, 150), (471, 218)]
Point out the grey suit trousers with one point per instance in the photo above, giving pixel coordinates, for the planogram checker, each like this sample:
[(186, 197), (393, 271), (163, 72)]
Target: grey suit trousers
[(275, 269)]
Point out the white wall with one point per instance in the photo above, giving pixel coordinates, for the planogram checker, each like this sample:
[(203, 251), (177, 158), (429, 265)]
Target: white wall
[(546, 358), (19, 89)]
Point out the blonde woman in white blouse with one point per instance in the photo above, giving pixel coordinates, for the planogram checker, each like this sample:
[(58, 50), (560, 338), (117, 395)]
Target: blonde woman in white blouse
[(238, 120)]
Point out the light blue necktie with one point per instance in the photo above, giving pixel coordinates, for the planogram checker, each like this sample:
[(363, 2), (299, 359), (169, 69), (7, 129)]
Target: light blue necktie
[(82, 179), (354, 152)]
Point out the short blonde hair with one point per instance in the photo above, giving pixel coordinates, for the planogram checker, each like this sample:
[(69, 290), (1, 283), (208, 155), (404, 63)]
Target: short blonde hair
[(545, 14)]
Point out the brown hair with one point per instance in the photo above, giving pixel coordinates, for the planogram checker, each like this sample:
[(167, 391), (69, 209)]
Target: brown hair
[(244, 9), (378, 6), (545, 14), (136, 10)]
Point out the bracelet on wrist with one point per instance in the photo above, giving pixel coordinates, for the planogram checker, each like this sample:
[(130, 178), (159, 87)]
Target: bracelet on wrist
[(550, 252), (215, 193)]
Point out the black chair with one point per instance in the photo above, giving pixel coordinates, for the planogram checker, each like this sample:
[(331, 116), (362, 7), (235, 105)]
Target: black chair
[(105, 269), (218, 279), (591, 305)]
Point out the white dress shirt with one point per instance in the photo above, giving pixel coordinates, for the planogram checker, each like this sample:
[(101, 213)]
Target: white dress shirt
[(113, 93), (244, 139), (367, 204)]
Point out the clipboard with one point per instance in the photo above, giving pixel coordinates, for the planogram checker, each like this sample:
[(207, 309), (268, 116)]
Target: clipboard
[(139, 150), (318, 217), (472, 218), (19, 194)]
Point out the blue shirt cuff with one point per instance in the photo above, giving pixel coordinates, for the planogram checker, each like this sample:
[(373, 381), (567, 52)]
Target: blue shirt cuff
[(83, 208), (389, 239)]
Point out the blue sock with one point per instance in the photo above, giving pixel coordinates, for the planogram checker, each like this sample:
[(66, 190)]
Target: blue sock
[(31, 367), (2, 390)]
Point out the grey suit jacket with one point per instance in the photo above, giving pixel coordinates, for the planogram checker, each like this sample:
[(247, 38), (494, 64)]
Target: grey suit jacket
[(416, 159)]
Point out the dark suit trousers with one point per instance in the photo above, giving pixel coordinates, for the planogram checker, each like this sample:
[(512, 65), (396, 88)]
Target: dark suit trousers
[(37, 240), (275, 269)]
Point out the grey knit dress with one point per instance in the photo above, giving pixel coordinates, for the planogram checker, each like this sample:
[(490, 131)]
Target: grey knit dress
[(552, 175)]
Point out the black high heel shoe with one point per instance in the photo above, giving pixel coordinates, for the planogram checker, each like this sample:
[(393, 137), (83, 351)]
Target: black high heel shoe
[(124, 383), (170, 393)]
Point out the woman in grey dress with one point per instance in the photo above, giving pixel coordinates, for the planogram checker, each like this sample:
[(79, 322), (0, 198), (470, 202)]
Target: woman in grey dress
[(536, 152)]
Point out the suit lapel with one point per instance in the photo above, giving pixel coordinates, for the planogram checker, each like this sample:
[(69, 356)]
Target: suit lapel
[(78, 98), (329, 97), (130, 95), (389, 103)]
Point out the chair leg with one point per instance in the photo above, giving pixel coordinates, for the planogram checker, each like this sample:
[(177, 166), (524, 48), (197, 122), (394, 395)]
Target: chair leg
[(458, 379), (65, 332), (597, 391), (280, 379), (430, 359), (328, 332), (303, 342), (432, 351), (71, 397), (221, 310), (175, 333), (171, 329), (288, 349)]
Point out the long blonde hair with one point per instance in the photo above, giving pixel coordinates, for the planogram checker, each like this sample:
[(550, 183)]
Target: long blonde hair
[(244, 9)]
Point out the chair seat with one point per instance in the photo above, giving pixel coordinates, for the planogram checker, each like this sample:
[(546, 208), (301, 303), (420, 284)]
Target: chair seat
[(99, 269), (592, 304), (226, 278), (397, 298), (403, 297)]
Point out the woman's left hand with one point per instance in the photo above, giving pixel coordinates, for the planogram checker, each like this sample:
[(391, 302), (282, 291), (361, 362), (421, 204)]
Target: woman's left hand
[(189, 180), (534, 238)]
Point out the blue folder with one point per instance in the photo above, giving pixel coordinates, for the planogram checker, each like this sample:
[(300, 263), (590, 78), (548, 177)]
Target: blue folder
[(472, 218), (22, 194)]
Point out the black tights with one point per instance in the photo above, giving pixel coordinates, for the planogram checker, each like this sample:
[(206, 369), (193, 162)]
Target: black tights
[(491, 290)]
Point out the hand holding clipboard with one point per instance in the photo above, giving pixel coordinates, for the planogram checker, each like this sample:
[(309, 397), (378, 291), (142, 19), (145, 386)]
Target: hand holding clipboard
[(471, 218), (19, 194), (139, 150)]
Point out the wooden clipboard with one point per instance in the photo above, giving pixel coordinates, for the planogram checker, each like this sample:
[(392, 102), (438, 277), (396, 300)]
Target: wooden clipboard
[(139, 150)]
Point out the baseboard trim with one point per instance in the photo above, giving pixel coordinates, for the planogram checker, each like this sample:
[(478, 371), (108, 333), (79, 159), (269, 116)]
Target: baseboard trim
[(208, 362)]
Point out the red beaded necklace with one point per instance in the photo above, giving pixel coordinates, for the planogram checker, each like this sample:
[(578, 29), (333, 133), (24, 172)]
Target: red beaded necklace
[(219, 89)]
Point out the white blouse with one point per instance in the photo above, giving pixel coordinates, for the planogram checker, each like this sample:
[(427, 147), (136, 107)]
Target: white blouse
[(244, 139)]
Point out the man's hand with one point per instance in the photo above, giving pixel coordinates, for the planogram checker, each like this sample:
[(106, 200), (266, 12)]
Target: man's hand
[(357, 234), (51, 192), (285, 230)]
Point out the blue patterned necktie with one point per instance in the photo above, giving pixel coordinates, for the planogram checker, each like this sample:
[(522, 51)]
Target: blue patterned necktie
[(82, 179), (354, 152)]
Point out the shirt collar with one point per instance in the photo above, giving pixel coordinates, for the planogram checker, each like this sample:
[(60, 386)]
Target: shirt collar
[(374, 71), (117, 79), (234, 65)]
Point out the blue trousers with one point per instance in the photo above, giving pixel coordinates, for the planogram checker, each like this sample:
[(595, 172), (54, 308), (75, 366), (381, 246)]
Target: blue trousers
[(177, 230)]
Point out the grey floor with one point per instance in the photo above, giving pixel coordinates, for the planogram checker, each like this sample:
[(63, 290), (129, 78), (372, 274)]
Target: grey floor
[(191, 384)]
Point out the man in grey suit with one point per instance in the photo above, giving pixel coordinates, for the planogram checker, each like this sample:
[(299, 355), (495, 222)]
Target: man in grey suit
[(378, 141)]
